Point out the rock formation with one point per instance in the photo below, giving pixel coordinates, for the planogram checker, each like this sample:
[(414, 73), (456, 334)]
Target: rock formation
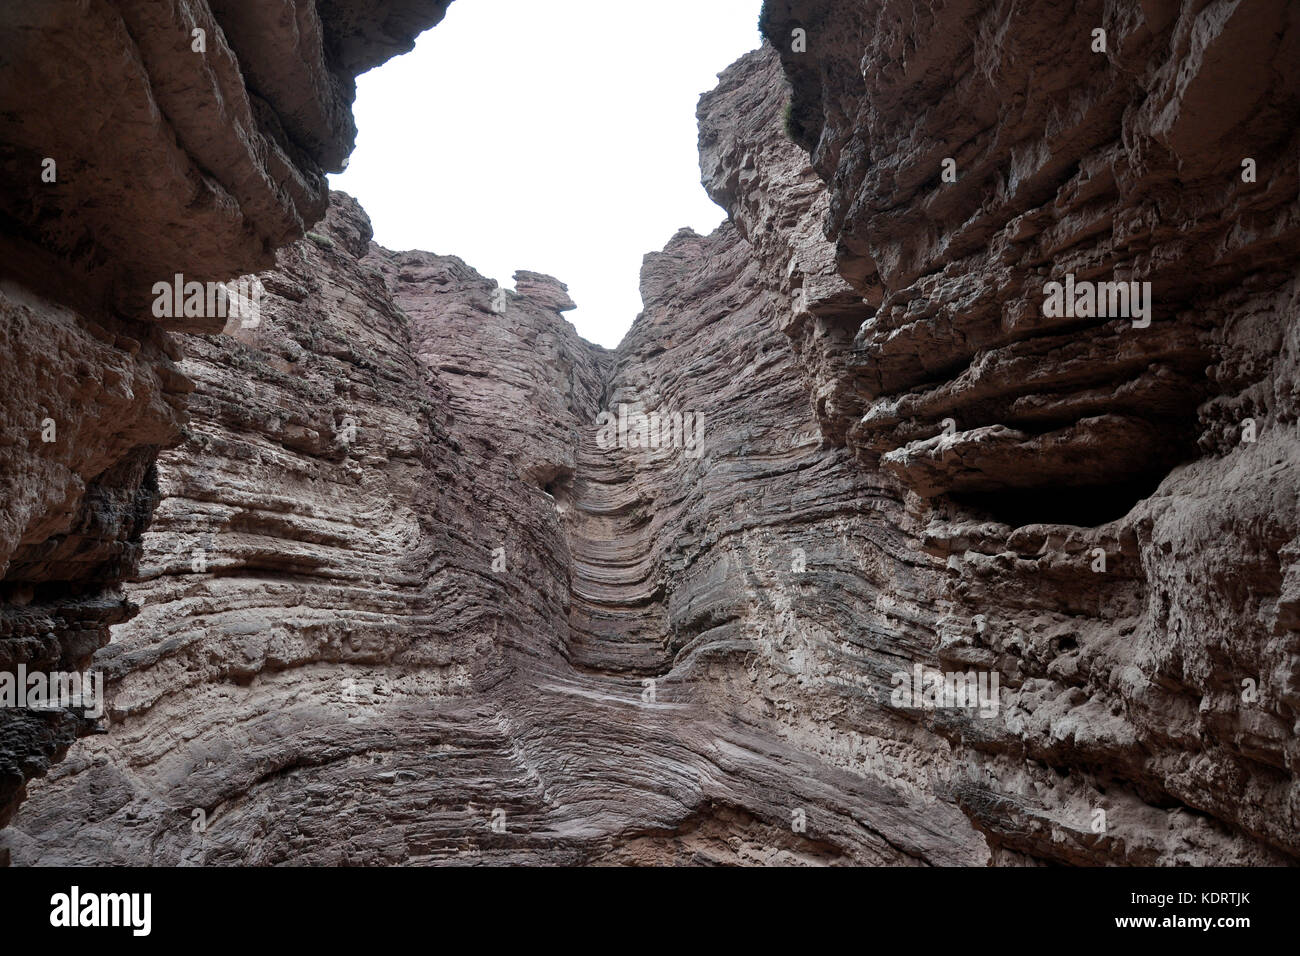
[(388, 638), (139, 140), (1162, 151), (420, 588)]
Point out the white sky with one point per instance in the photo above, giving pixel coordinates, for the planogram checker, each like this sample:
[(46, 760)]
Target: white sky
[(558, 137)]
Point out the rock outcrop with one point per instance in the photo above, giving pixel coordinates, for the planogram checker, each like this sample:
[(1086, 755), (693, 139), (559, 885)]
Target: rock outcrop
[(475, 610), (433, 580), (1115, 501), (139, 140), (1150, 144)]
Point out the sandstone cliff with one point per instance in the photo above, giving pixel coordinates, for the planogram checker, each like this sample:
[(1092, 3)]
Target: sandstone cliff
[(455, 612), (403, 601), (1167, 157), (138, 140)]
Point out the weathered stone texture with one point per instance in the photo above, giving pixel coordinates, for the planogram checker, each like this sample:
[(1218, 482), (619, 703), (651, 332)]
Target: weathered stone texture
[(1126, 165), (404, 603), (133, 149)]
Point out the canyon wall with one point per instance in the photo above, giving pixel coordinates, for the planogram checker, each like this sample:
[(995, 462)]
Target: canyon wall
[(470, 611), (1163, 150), (138, 140), (316, 597), (404, 601)]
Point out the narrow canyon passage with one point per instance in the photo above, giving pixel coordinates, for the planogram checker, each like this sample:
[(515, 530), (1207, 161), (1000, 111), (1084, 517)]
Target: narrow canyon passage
[(617, 622), (389, 595), (305, 652)]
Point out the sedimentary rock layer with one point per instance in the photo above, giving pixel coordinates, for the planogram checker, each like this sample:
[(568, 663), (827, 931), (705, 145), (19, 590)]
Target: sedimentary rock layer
[(184, 137), (408, 599), (138, 140), (422, 639), (977, 152), (1160, 683)]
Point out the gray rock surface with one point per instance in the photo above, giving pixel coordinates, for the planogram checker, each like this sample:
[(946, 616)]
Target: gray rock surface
[(410, 598), (138, 140)]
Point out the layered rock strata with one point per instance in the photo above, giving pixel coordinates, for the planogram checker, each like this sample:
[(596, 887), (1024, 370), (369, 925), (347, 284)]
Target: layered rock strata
[(406, 600), (391, 643), (138, 140), (977, 153), (1116, 504)]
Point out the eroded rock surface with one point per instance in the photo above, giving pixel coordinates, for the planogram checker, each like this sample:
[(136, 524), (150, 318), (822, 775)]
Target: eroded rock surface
[(186, 137), (1119, 165), (405, 601), (1170, 449), (392, 639), (138, 140)]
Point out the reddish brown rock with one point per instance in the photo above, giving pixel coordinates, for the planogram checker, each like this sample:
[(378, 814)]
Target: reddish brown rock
[(1162, 688), (133, 149), (516, 686), (177, 152), (1122, 165), (441, 615)]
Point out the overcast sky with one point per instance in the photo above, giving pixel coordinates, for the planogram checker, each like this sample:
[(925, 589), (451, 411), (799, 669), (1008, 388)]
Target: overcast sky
[(557, 137)]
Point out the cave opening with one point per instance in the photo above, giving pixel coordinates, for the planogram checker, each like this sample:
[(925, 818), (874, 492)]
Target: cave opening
[(1087, 506)]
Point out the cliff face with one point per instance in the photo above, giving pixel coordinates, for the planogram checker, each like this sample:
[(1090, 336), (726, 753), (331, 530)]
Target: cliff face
[(192, 137), (316, 595), (482, 604), (421, 587), (1167, 158), (477, 606), (1152, 144), (138, 140)]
